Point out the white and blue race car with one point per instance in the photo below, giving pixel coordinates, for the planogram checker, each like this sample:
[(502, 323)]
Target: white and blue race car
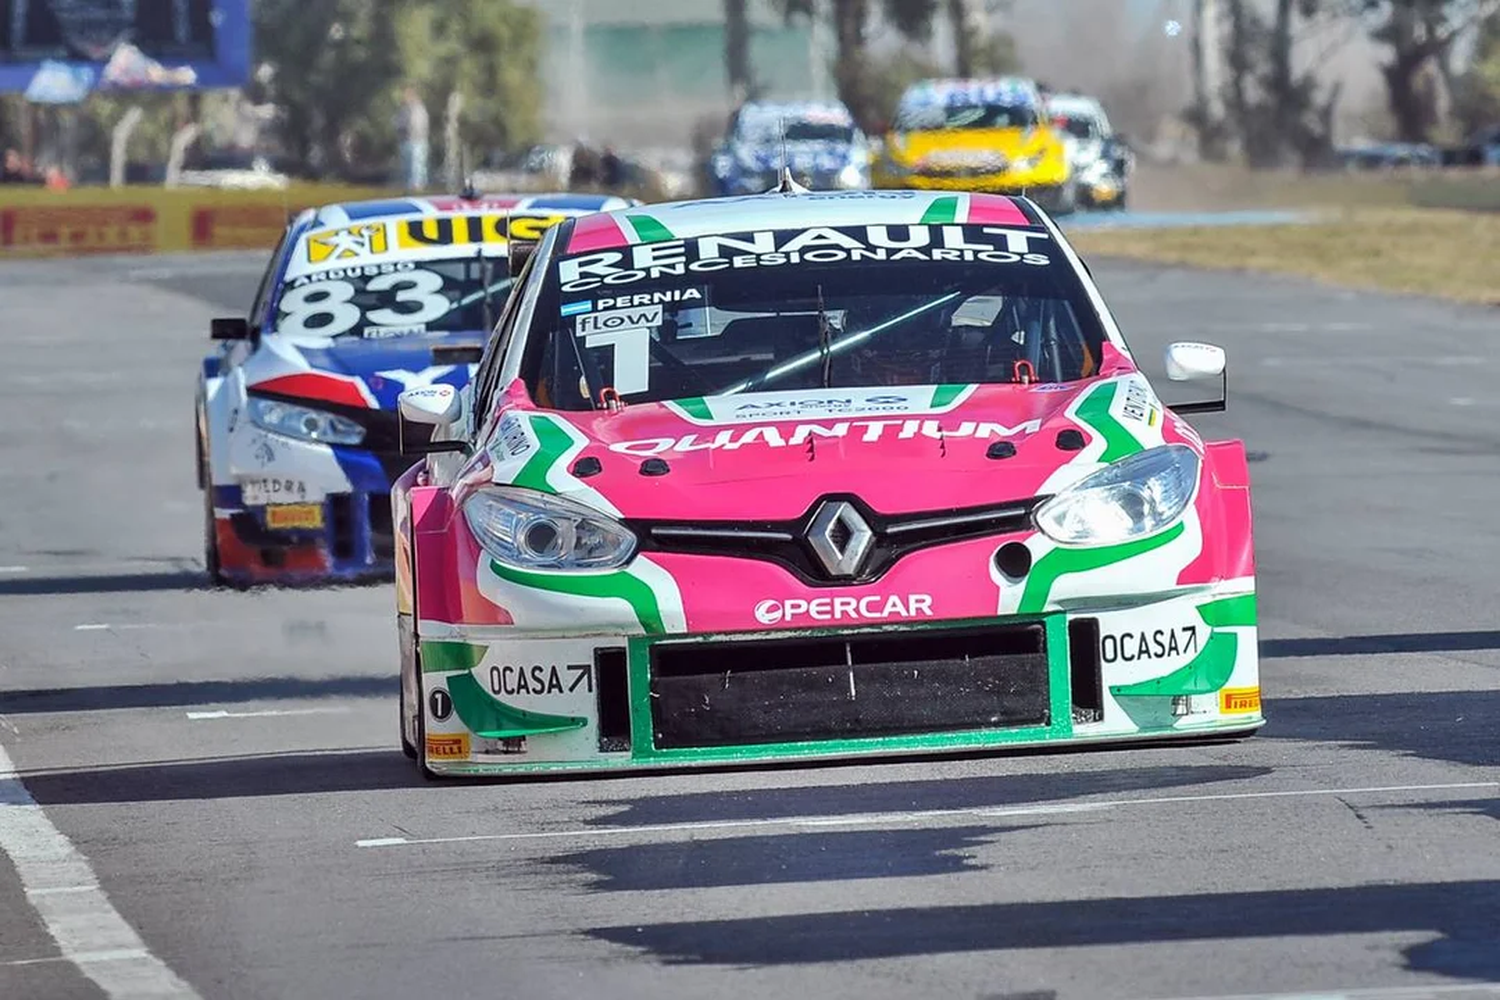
[(818, 141), (297, 434)]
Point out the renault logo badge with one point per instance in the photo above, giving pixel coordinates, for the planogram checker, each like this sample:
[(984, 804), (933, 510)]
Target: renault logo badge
[(840, 538)]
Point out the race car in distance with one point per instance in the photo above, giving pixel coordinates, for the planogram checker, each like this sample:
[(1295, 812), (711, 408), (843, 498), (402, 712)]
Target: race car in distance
[(810, 475), (818, 140), (296, 423), (1099, 157), (977, 135)]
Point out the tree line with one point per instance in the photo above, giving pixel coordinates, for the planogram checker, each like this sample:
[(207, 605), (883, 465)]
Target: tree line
[(1251, 96)]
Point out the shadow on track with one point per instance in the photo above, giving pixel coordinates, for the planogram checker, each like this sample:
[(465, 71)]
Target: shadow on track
[(1366, 645), (184, 693), (1455, 726), (113, 583), (783, 858), (1466, 914), (176, 579), (227, 778), (872, 796)]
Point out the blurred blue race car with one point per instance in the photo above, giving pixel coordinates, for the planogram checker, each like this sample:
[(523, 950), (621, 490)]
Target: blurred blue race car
[(296, 408), (817, 140)]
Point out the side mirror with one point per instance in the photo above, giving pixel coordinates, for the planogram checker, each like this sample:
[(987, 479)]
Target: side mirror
[(1186, 360), (429, 404), (423, 409), (1189, 361), (231, 328)]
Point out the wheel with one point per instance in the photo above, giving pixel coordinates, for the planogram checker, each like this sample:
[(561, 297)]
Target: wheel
[(419, 751), (407, 746), (1067, 197), (211, 561)]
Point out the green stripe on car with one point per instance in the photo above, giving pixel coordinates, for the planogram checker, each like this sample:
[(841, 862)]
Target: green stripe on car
[(649, 230), (491, 719), (1060, 562), (1094, 411), (617, 584), (1229, 611), (1203, 674), (552, 444), (944, 209), (441, 656)]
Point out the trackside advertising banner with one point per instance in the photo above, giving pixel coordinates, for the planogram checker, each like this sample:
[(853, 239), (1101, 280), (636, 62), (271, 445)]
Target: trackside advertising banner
[(37, 223)]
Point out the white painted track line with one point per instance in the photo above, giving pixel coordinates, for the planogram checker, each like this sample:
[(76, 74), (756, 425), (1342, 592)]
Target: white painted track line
[(267, 713), (1369, 993), (918, 816), (63, 890)]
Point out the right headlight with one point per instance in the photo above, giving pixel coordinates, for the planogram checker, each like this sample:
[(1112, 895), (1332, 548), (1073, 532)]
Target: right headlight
[(524, 529), (1129, 499), (303, 422)]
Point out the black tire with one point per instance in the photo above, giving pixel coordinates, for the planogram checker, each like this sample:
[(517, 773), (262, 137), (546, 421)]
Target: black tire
[(1067, 197), (211, 562), (419, 752), (407, 746)]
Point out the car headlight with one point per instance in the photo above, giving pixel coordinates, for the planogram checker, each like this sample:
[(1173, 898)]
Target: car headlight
[(303, 422), (1131, 498), (524, 529)]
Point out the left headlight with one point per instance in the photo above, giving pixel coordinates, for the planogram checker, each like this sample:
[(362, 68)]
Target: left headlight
[(1132, 498), (852, 176), (304, 423), (527, 530)]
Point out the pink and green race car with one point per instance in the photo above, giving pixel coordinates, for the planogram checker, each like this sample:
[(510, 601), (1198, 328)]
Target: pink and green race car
[(815, 475)]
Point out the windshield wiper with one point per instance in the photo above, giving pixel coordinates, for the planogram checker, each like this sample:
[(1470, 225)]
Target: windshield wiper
[(825, 343), (486, 275)]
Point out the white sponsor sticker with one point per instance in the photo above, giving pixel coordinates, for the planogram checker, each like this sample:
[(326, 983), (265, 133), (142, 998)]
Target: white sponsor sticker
[(872, 607), (276, 489), (619, 319)]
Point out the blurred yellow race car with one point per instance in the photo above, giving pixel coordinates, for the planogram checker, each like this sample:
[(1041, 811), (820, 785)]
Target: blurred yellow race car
[(978, 135)]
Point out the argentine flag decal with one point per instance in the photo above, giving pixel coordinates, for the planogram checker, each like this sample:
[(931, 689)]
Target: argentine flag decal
[(574, 308)]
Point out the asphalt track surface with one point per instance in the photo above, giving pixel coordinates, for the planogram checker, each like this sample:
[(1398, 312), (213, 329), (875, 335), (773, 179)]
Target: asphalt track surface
[(225, 764)]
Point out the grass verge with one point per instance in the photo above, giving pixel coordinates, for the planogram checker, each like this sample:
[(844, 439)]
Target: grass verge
[(1454, 255)]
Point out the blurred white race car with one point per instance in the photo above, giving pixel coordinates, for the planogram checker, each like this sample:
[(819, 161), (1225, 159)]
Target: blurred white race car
[(1100, 159)]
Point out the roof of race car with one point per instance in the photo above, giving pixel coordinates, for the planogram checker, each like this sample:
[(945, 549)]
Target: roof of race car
[(830, 112), (1007, 90), (1074, 104), (692, 219), (344, 213), (433, 228)]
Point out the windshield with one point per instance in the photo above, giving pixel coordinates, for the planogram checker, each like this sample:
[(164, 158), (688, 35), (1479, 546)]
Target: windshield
[(407, 298), (1078, 126), (763, 132), (850, 307), (925, 117)]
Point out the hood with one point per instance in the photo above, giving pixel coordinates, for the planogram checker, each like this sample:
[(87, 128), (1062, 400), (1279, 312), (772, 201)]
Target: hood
[(356, 372), (769, 456), (911, 148)]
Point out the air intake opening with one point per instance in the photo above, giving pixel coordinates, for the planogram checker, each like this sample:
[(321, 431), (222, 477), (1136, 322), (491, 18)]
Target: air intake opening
[(1084, 678), (612, 689), (862, 684)]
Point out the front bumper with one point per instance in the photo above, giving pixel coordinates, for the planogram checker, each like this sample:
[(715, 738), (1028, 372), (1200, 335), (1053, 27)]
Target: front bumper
[(342, 536), (1182, 666)]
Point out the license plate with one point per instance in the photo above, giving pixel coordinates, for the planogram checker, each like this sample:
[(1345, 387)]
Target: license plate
[(294, 515), (274, 489)]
